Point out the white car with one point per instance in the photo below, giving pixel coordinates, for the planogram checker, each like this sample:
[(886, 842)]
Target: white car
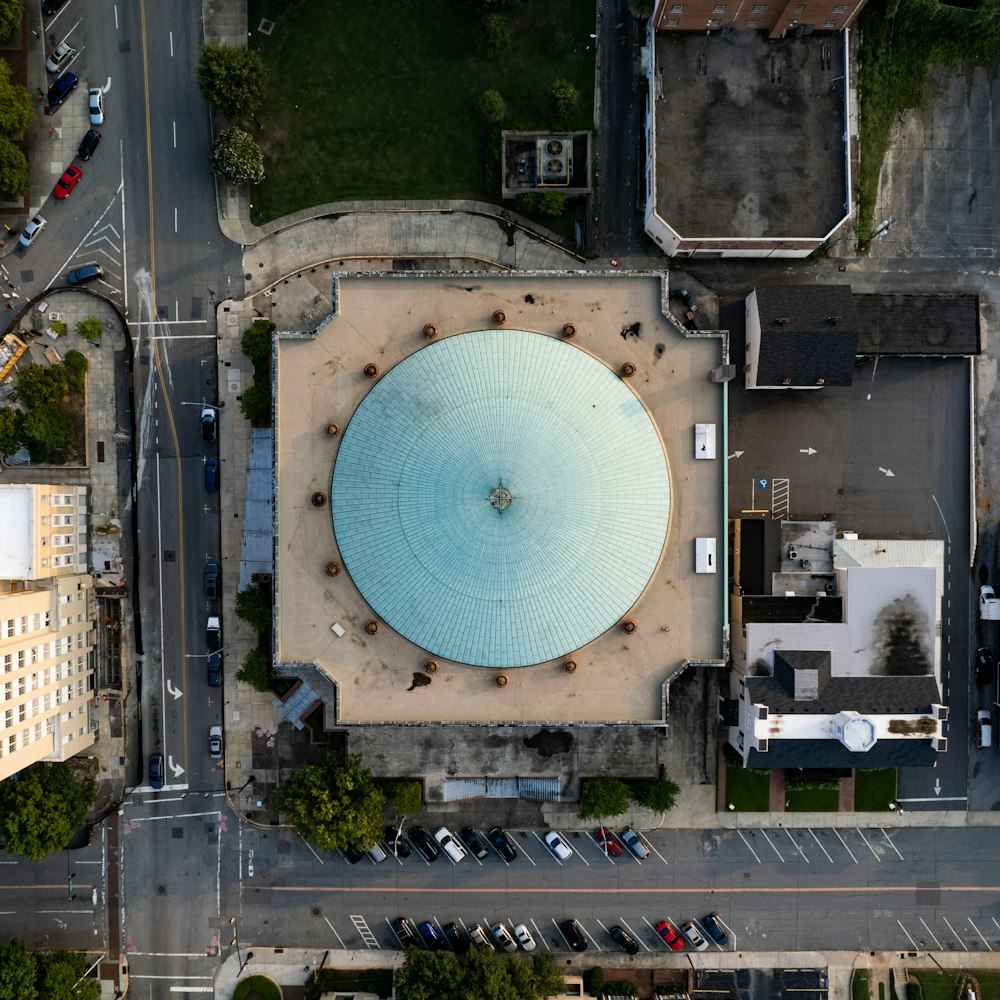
[(31, 230), (558, 846), (95, 102), (502, 937), (60, 57), (524, 938), (450, 845), (693, 934), (215, 742)]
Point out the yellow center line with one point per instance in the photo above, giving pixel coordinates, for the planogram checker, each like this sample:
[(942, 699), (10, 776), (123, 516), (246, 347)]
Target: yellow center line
[(178, 641)]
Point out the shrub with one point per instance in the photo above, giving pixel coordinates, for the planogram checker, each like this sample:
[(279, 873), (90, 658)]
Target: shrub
[(255, 404), (492, 106), (256, 670), (232, 77), (564, 98), (254, 607), (237, 158), (76, 370), (659, 795), (497, 38), (594, 980), (407, 795), (59, 328), (89, 328), (620, 988), (16, 106), (600, 797), (552, 203)]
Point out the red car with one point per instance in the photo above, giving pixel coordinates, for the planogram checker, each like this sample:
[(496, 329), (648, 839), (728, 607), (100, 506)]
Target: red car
[(608, 842), (67, 182), (671, 938)]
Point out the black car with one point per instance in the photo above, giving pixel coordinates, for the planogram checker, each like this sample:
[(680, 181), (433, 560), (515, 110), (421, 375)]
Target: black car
[(502, 844), (88, 144), (404, 930), (471, 840), (985, 665), (624, 940), (353, 855), (424, 843), (714, 928), (573, 933), (207, 424), (457, 938), (395, 844)]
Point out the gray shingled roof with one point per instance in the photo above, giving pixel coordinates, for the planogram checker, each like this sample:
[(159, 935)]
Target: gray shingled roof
[(833, 753), (867, 695), (941, 325)]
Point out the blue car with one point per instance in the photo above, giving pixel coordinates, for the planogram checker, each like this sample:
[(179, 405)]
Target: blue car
[(431, 935), (212, 475), (62, 88), (215, 670), (156, 770), (89, 272)]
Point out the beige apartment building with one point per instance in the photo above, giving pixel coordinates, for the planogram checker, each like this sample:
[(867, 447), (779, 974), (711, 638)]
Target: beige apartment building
[(46, 626)]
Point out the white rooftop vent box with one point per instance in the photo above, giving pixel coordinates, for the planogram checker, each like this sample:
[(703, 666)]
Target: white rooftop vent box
[(704, 555), (704, 440)]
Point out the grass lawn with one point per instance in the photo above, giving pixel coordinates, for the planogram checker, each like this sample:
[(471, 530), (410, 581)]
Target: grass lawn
[(874, 789), (941, 986), (748, 790), (373, 102), (257, 988), (801, 799), (859, 985)]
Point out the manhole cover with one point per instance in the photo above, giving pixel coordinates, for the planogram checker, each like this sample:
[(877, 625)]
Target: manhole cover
[(168, 555)]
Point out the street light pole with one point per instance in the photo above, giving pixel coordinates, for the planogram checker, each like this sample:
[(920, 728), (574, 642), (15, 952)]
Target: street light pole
[(236, 941), (69, 878)]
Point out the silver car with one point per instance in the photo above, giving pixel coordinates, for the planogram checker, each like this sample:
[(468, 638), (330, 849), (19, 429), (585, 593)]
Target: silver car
[(503, 937), (60, 58), (95, 103), (215, 742), (31, 231)]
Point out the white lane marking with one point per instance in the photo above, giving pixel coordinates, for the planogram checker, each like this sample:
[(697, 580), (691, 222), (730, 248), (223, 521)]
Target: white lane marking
[(171, 45), (650, 847), (339, 938), (542, 842), (192, 989), (540, 934), (175, 135), (869, 846), (846, 848), (821, 847), (172, 816), (976, 929), (796, 846), (773, 848), (621, 920), (932, 934), (559, 929), (175, 230), (953, 931), (314, 854), (907, 933), (752, 851), (891, 844), (592, 941), (655, 933), (579, 854), (601, 850)]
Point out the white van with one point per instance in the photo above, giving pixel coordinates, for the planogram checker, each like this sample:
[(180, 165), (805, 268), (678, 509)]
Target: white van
[(984, 725), (450, 845)]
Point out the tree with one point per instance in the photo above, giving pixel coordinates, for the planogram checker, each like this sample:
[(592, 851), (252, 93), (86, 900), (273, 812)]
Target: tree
[(253, 606), (255, 404), (563, 97), (333, 804), (60, 977), (11, 13), (18, 969), (50, 430), (600, 797), (16, 106), (256, 342), (497, 38), (492, 106), (406, 795), (40, 810), (11, 430), (659, 795), (14, 178), (552, 203), (642, 9), (237, 158), (90, 328), (39, 387), (480, 975), (232, 78), (76, 366), (256, 670)]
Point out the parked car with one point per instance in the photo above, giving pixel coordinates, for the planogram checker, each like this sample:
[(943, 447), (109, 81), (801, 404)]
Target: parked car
[(502, 844), (424, 843), (61, 89), (457, 938), (32, 229), (431, 935), (215, 742), (985, 665), (405, 932), (353, 854), (213, 633), (69, 180), (81, 275), (60, 57), (624, 940), (671, 938), (692, 932), (208, 424), (633, 842), (479, 937), (214, 670), (95, 105), (49, 7), (211, 581), (211, 475), (523, 937), (608, 842), (984, 729), (395, 843), (450, 845), (714, 927), (376, 854), (574, 935), (88, 144), (503, 937), (156, 770), (558, 846), (471, 840)]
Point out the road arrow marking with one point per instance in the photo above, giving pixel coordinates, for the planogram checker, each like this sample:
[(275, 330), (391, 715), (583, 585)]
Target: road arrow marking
[(937, 786), (176, 768), (175, 692), (886, 472), (808, 451), (736, 454)]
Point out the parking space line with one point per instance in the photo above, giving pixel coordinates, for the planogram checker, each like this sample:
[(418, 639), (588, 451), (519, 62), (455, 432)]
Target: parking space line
[(601, 850), (592, 941), (559, 929), (542, 842), (795, 844), (526, 854), (437, 924), (891, 844), (388, 924), (869, 846), (650, 847), (606, 931), (621, 920), (846, 848), (582, 858), (953, 931), (752, 851), (657, 936), (976, 929), (994, 919), (932, 934), (821, 847), (314, 854), (540, 934), (907, 933), (339, 938), (773, 848)]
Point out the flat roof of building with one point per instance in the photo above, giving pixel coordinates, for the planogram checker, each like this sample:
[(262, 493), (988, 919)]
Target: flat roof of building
[(17, 517)]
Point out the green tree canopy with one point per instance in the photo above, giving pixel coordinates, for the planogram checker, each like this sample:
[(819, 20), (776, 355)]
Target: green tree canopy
[(40, 811), (50, 430), (60, 977), (492, 106), (256, 342), (38, 386), (232, 78), (253, 606), (11, 430), (603, 797), (18, 970), (564, 98), (89, 328), (333, 804), (11, 12), (659, 795), (14, 178), (76, 366), (551, 203), (255, 404), (406, 795), (480, 975), (255, 670), (237, 158), (16, 106), (497, 37)]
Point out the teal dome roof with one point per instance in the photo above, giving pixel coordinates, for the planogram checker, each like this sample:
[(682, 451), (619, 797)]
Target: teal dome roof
[(500, 498)]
